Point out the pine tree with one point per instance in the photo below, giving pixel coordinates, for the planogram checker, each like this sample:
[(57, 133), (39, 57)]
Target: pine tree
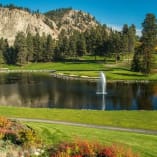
[(10, 56), (81, 45), (114, 44), (1, 57), (72, 45), (3, 50), (29, 41), (125, 33), (43, 46), (37, 47), (49, 49), (21, 48), (149, 39), (137, 60), (62, 46), (131, 38)]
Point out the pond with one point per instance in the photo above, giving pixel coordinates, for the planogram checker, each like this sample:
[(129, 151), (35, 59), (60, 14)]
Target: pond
[(43, 90)]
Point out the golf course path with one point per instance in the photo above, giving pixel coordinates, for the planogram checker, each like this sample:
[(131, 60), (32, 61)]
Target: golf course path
[(142, 131)]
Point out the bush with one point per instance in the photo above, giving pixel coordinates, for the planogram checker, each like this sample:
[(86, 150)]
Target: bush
[(87, 149), (4, 126), (28, 137), (18, 133)]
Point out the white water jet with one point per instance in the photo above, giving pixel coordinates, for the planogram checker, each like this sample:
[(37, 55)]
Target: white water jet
[(101, 89), (101, 86)]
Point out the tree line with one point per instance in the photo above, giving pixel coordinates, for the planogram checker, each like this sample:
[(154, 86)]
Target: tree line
[(42, 48)]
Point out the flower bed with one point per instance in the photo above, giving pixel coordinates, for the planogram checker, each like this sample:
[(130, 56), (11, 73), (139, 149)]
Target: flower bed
[(17, 139), (88, 149)]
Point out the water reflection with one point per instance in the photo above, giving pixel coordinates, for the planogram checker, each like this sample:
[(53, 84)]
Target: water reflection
[(34, 90), (103, 102)]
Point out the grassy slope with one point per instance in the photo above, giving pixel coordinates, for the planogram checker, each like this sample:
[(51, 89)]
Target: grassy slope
[(127, 119), (143, 144)]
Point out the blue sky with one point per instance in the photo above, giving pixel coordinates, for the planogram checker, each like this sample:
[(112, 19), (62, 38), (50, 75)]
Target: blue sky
[(114, 13)]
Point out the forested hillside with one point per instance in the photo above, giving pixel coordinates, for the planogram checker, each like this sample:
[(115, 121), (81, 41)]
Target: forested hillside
[(68, 34)]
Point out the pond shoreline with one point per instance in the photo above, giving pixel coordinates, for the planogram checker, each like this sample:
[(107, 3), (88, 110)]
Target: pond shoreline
[(23, 71), (94, 79), (72, 77)]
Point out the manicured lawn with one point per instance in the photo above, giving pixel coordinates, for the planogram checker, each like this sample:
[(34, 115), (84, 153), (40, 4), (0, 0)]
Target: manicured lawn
[(144, 144), (113, 71), (87, 66), (64, 66), (127, 119)]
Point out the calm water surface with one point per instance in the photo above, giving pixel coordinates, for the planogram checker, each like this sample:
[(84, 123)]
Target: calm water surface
[(34, 90)]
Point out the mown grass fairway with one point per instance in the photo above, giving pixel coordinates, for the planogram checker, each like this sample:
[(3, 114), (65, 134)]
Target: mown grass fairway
[(87, 66), (52, 134), (126, 119)]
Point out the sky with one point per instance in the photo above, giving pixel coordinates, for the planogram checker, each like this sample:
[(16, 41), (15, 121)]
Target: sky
[(114, 13)]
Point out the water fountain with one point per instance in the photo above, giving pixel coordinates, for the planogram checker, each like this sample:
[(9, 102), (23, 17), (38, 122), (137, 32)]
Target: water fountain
[(101, 86)]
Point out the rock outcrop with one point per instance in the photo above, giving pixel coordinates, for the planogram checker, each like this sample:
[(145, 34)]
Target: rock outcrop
[(15, 20)]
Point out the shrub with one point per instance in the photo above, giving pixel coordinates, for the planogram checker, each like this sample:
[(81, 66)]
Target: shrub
[(4, 126), (4, 122), (87, 149), (28, 137), (17, 133)]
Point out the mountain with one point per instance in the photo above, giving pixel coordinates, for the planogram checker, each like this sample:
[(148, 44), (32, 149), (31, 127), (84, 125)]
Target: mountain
[(14, 20), (69, 20)]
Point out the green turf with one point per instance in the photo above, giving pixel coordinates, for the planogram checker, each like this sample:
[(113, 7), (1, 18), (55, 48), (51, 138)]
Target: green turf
[(114, 71), (59, 66), (144, 144), (127, 119)]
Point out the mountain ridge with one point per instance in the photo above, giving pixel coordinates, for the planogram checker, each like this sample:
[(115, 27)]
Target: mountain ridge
[(14, 20)]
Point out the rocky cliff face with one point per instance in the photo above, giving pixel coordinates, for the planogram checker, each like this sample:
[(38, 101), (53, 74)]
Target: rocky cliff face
[(13, 21), (71, 20)]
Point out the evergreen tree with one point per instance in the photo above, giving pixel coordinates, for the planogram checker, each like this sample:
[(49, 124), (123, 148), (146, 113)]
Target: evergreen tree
[(103, 40), (136, 63), (65, 46), (3, 49), (149, 39), (92, 41), (10, 56), (125, 33), (1, 57), (143, 55), (62, 46), (72, 45), (114, 44), (30, 50), (21, 48), (37, 46), (49, 49), (43, 46), (100, 37), (131, 38), (81, 45)]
